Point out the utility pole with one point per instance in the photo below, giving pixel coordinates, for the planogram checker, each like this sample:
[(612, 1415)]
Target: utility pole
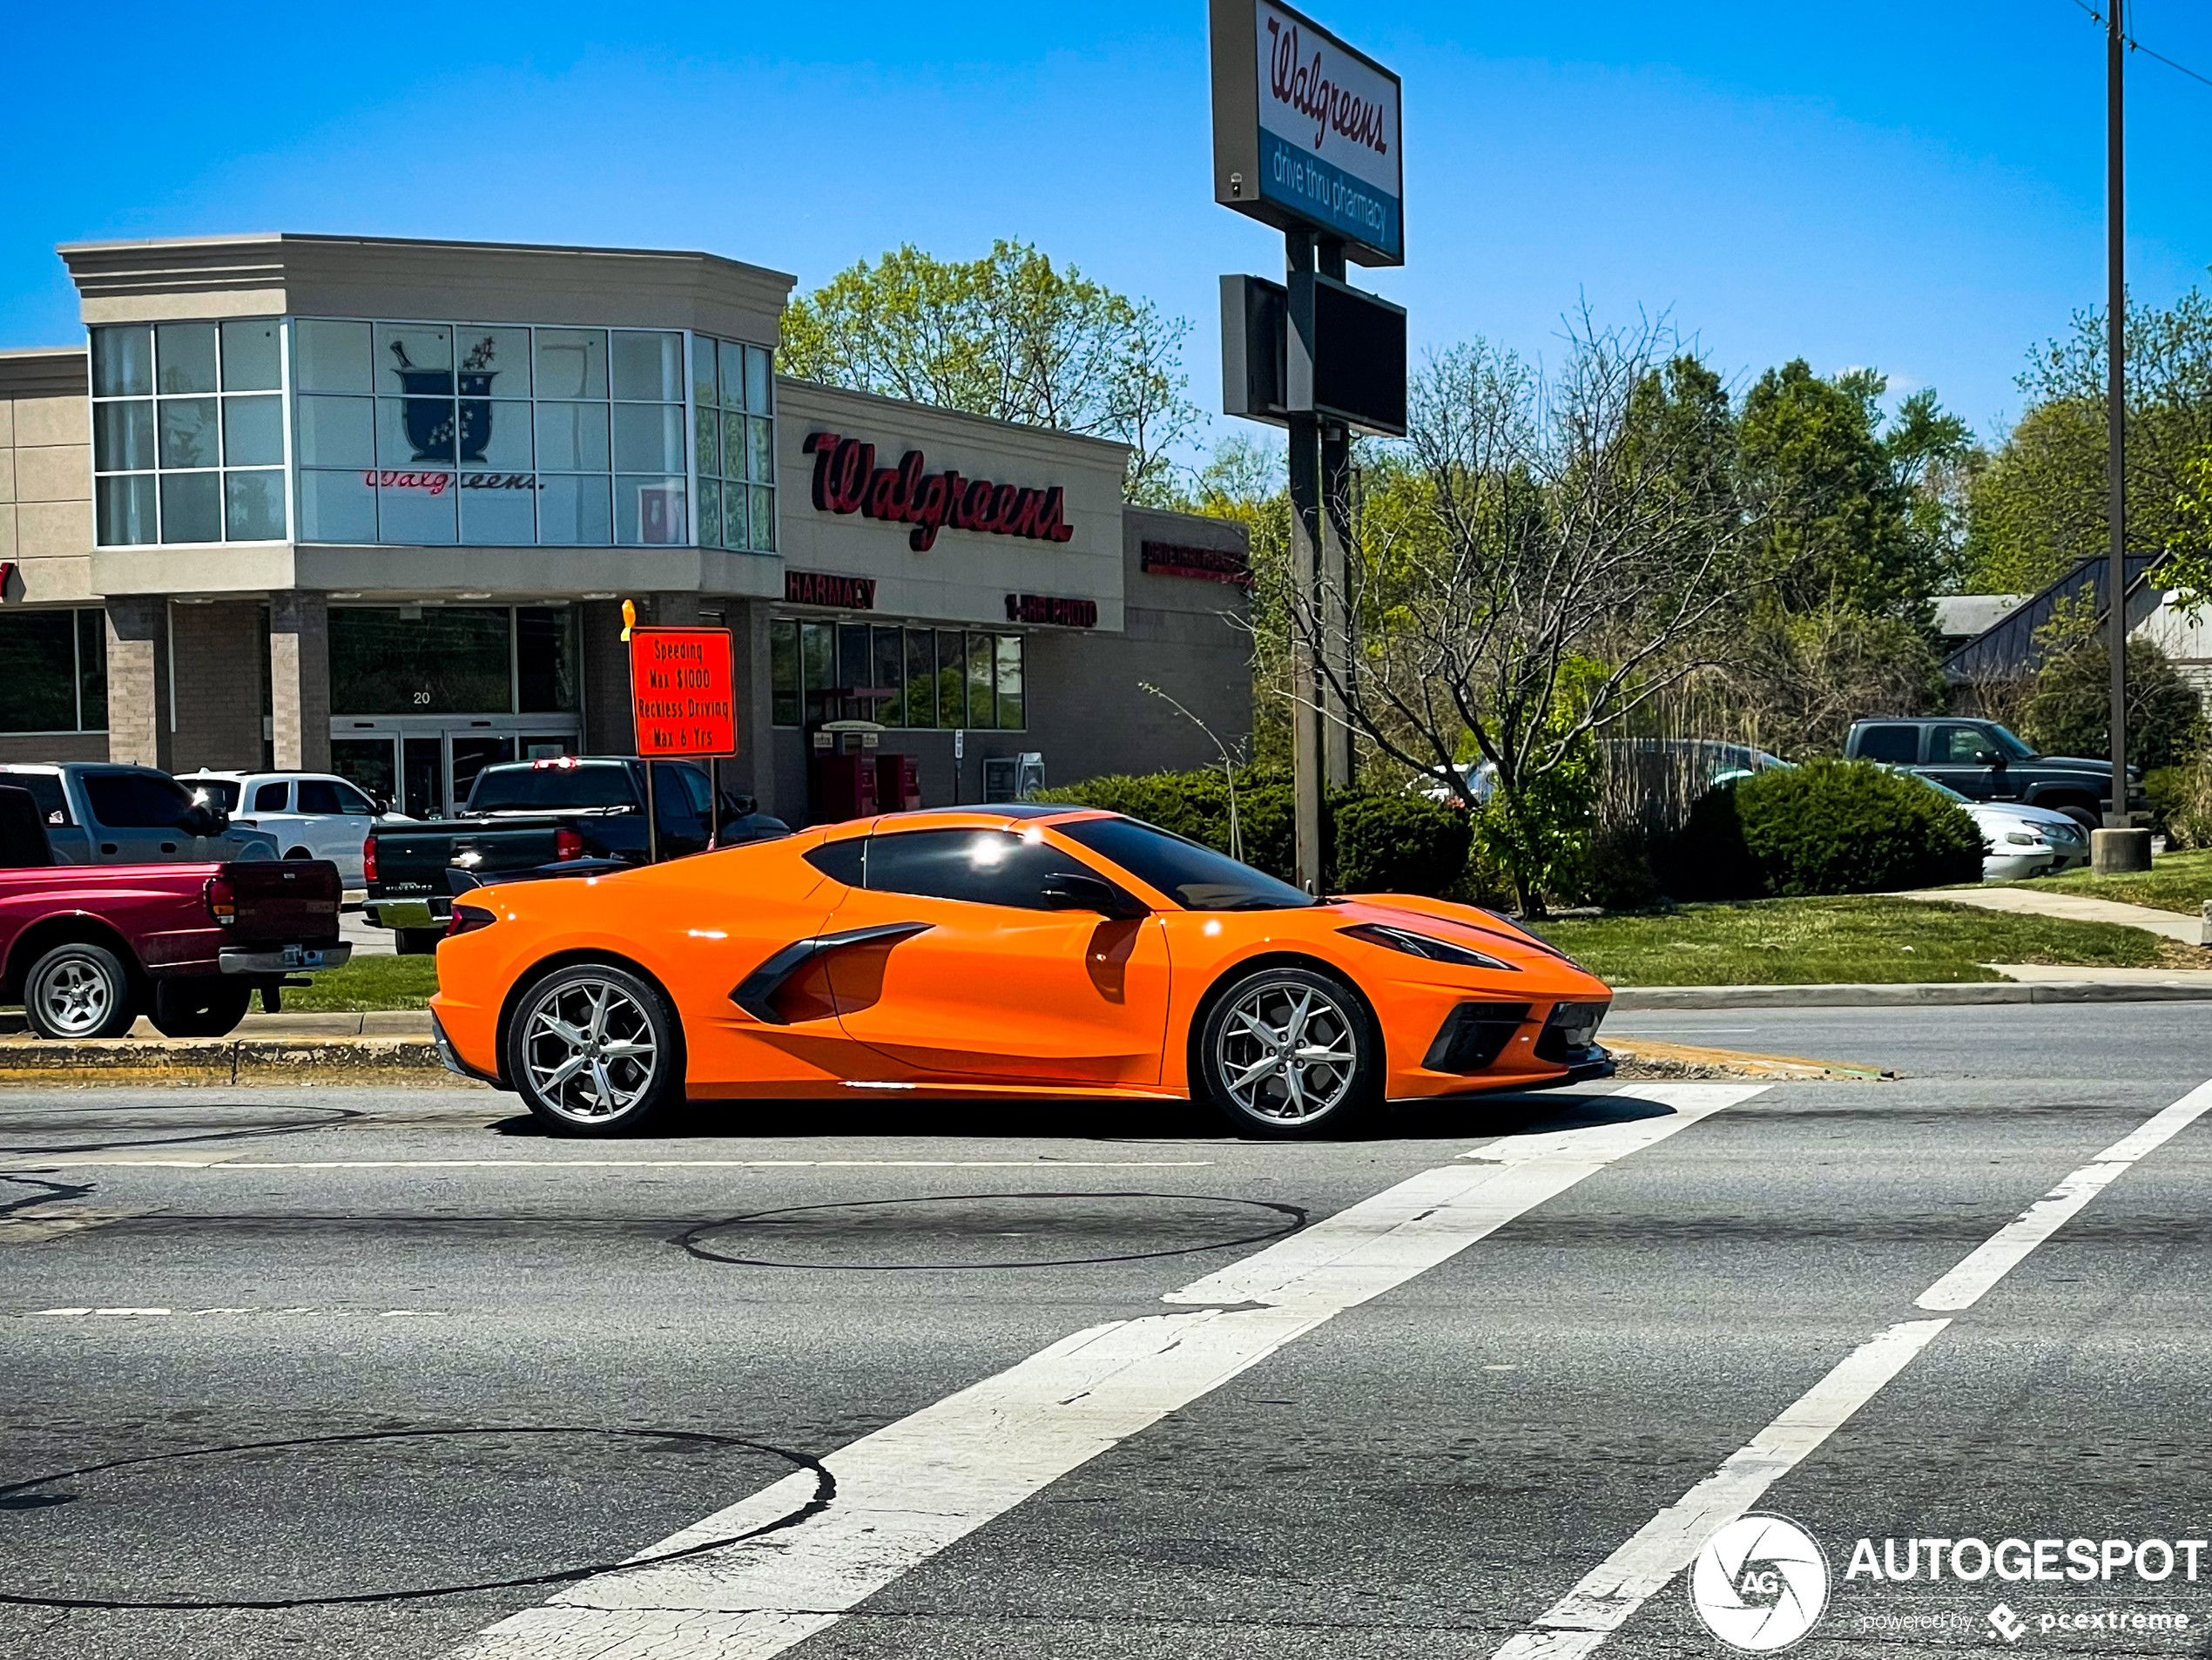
[(2116, 411), (1334, 596), (1304, 429)]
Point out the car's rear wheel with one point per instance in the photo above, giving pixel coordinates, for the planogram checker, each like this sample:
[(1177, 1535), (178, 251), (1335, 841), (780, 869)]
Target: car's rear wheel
[(79, 991), (2083, 817), (200, 1006), (1290, 1052), (595, 1051)]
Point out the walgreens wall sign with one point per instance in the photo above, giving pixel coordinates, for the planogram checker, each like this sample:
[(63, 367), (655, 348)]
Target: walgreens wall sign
[(847, 480)]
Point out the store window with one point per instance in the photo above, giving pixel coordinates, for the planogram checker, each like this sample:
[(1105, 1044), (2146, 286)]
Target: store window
[(452, 661), (56, 671), (490, 435), (734, 431), (188, 432), (937, 678)]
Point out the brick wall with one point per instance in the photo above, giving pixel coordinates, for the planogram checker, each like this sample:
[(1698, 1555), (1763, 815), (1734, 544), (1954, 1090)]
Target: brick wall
[(219, 667)]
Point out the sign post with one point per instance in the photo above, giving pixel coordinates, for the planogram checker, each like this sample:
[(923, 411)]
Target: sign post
[(1306, 136), (682, 690)]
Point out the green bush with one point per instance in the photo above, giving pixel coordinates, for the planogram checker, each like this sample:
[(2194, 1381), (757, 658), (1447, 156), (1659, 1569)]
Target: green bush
[(1400, 844), (2071, 711), (2181, 800), (1824, 827)]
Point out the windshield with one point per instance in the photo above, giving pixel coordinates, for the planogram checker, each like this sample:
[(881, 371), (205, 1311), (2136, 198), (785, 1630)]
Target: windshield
[(1196, 877), (2010, 745), (551, 789)]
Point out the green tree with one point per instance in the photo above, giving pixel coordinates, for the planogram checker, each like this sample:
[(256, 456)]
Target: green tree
[(2071, 710), (1834, 519), (1011, 337), (2039, 506)]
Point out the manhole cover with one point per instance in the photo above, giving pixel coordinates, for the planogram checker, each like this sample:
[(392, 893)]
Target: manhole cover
[(381, 1516), (967, 1230)]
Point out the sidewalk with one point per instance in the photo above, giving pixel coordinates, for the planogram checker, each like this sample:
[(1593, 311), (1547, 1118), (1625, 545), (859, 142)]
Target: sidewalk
[(2072, 907)]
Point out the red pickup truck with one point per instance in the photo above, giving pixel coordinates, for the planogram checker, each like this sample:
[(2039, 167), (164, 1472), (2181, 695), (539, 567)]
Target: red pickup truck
[(87, 948)]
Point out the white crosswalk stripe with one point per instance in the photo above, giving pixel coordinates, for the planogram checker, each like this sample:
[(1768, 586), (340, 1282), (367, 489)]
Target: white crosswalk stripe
[(912, 1488)]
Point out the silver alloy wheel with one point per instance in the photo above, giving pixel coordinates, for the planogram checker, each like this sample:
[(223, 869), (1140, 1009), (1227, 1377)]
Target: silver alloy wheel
[(589, 1050), (1288, 1052), (76, 995)]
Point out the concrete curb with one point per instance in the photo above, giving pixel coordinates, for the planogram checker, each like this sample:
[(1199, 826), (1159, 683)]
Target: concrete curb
[(1627, 999), (1647, 1060), (303, 1062)]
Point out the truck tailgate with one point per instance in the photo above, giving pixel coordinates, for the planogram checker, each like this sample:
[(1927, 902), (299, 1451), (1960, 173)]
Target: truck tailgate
[(284, 901)]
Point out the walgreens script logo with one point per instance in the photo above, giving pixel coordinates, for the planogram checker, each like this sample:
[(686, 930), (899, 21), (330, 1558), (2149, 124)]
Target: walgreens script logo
[(1299, 78)]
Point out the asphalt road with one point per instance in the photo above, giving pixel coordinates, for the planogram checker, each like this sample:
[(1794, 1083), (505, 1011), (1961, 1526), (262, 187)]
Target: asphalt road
[(347, 1352)]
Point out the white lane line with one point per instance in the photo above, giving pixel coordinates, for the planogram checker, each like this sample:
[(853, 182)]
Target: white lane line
[(1983, 1268), (621, 1163), (1604, 1598), (912, 1488)]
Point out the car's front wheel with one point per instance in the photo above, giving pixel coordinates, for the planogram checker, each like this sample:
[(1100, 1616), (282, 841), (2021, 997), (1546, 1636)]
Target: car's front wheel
[(595, 1051), (1290, 1052), (79, 991)]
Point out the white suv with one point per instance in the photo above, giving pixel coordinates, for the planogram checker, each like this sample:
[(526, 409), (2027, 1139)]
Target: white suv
[(313, 815)]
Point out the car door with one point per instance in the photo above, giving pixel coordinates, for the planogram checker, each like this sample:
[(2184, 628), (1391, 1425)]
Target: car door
[(265, 804), (333, 821), (1966, 757), (988, 982), (138, 819), (680, 805)]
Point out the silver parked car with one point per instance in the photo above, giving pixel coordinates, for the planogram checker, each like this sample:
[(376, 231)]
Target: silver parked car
[(102, 812)]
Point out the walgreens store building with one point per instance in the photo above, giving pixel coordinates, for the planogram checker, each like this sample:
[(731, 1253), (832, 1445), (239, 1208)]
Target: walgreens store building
[(371, 506)]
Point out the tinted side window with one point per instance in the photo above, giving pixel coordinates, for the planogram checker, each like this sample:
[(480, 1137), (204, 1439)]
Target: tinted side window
[(1960, 745), (46, 790), (134, 800), (352, 800), (839, 860), (318, 795), (982, 867), (1900, 745), (269, 798)]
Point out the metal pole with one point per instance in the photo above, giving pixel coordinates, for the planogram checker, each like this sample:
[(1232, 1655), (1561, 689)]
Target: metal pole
[(2116, 412), (653, 814), (1335, 601), (713, 800), (1306, 544)]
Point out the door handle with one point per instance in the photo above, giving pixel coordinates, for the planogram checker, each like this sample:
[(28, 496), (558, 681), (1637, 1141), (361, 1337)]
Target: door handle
[(168, 846), (107, 847)]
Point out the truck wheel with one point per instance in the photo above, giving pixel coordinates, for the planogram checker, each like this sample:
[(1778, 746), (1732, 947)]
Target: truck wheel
[(416, 942), (202, 1005), (595, 1051), (79, 991)]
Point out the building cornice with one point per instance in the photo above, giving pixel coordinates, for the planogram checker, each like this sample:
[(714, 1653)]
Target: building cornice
[(44, 372), (411, 279)]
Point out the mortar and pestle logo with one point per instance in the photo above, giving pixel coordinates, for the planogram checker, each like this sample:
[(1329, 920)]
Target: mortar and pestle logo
[(429, 411)]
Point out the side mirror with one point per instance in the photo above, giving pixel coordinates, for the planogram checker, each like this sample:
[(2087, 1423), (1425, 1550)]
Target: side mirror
[(204, 821), (380, 804), (1069, 890), (1989, 758)]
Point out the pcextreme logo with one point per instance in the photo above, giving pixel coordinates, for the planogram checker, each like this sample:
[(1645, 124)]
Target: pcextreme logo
[(1760, 1583)]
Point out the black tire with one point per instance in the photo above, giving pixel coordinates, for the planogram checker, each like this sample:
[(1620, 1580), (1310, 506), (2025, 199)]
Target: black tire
[(202, 1006), (1298, 1098), (79, 991), (417, 942), (2083, 817), (299, 852), (572, 1082)]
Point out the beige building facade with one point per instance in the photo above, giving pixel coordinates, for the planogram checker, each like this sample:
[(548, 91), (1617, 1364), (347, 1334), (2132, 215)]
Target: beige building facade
[(371, 506)]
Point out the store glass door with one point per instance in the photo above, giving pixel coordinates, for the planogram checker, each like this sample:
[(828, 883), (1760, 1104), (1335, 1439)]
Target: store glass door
[(425, 766)]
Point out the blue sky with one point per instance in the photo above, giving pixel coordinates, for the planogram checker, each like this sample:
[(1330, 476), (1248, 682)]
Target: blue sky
[(1918, 188)]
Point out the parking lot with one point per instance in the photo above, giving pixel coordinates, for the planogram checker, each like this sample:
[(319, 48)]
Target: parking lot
[(390, 1373)]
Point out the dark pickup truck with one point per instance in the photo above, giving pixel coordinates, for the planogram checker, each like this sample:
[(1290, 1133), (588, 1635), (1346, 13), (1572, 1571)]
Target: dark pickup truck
[(587, 812), (1984, 762), (87, 948)]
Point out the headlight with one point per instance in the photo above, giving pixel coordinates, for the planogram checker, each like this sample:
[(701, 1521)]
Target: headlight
[(2023, 839), (1423, 945)]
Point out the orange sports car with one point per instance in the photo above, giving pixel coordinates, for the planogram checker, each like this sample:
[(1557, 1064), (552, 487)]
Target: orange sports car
[(1025, 949)]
